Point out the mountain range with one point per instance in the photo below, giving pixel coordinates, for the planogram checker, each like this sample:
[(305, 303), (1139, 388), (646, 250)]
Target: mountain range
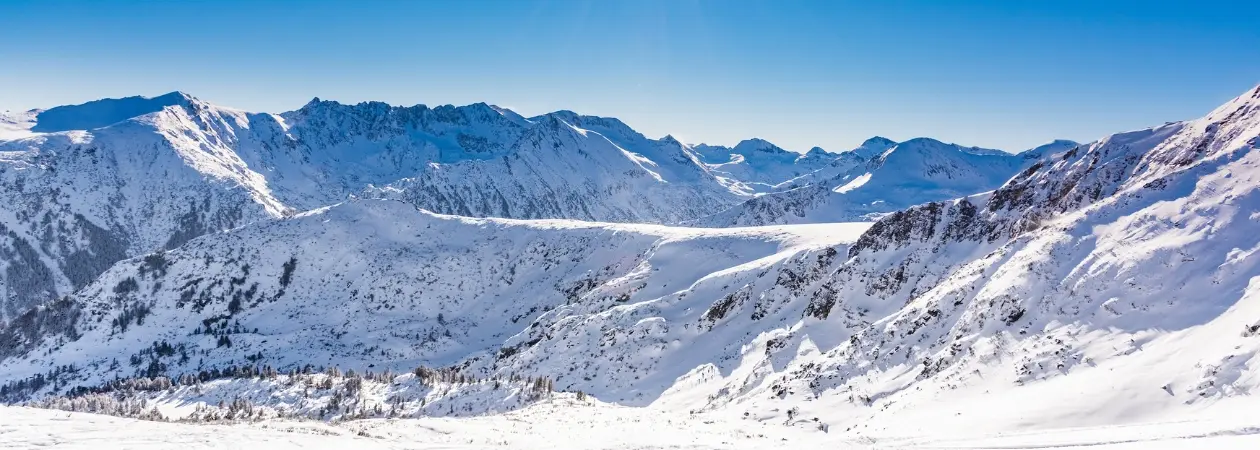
[(89, 185), (897, 288)]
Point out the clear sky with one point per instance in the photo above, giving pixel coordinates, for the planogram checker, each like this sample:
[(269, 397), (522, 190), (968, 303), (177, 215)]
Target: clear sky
[(1007, 74)]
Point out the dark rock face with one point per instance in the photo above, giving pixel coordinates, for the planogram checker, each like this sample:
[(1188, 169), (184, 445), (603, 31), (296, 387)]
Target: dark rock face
[(900, 228)]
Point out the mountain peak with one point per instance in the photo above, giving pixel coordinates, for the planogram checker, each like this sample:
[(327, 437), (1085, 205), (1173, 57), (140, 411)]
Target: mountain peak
[(479, 108), (873, 147), (103, 112), (929, 145), (756, 144), (1052, 147), (552, 121), (816, 152), (610, 127), (878, 141), (922, 141), (562, 113), (587, 121), (511, 115)]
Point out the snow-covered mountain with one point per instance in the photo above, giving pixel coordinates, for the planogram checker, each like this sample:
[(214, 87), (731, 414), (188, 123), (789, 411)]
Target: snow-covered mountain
[(1104, 283), (874, 147), (880, 177), (85, 186), (76, 202), (755, 166), (325, 151), (88, 185), (1110, 283), (559, 170), (104, 112)]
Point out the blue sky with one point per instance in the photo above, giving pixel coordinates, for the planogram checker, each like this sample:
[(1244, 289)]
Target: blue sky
[(1004, 74)]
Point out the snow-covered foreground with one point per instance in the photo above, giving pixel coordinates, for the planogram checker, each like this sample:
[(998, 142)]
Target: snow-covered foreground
[(558, 425)]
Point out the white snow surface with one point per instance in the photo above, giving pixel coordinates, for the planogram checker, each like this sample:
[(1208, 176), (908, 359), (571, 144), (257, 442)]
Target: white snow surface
[(16, 125), (564, 425), (378, 281), (1106, 294), (854, 184)]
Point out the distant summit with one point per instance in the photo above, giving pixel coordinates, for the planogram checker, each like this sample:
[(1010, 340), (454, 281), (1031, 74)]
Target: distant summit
[(99, 113)]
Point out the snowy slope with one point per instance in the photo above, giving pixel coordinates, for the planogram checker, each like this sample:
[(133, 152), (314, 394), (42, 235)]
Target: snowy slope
[(325, 151), (1103, 288), (480, 160), (1106, 284), (17, 125), (558, 170), (75, 202), (1111, 283), (874, 147), (402, 288), (87, 185), (883, 178), (669, 158)]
